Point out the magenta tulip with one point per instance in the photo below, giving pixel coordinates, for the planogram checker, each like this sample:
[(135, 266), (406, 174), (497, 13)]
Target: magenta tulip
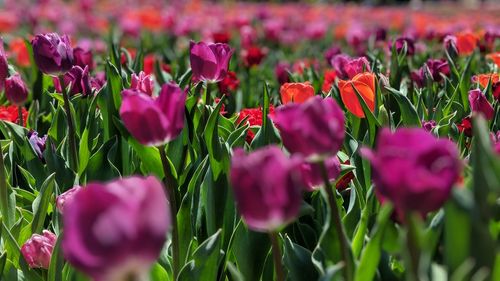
[(209, 62), (116, 230), (154, 122), (143, 83), (479, 103), (53, 54), (37, 251), (4, 65), (311, 172), (15, 90)]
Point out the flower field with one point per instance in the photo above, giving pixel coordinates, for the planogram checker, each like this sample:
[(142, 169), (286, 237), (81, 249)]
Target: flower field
[(189, 140)]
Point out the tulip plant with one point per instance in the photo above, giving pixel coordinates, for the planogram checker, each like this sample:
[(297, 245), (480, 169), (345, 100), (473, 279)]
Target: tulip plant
[(192, 141)]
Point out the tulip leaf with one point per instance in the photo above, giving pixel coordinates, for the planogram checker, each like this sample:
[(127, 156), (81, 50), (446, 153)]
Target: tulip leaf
[(56, 262), (83, 152), (409, 114), (267, 133), (371, 254), (41, 204), (158, 273), (297, 260), (150, 158), (204, 264), (218, 154)]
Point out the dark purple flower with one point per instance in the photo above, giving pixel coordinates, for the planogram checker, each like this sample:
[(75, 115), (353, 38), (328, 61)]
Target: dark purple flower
[(479, 103), (37, 251), (450, 44), (116, 230), (413, 169), (83, 58), (4, 65), (428, 125), (267, 187), (315, 127), (37, 143), (281, 71), (53, 54), (154, 121), (79, 80), (435, 68), (311, 172), (401, 42), (98, 81), (332, 52), (15, 90), (209, 62)]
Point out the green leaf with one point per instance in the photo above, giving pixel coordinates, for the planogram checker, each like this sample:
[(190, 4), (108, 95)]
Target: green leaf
[(56, 262), (297, 260), (204, 264), (158, 273), (83, 152), (218, 155), (409, 113), (41, 204), (150, 158)]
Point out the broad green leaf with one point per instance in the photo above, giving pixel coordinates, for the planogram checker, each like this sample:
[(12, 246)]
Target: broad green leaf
[(41, 204), (204, 264)]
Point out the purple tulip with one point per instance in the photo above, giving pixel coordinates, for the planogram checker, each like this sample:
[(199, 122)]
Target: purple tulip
[(450, 44), (4, 65), (116, 230), (413, 169), (400, 43), (479, 103), (282, 72), (151, 121), (267, 187), (37, 143), (429, 125), (435, 67), (347, 67), (53, 54), (98, 81), (65, 198), (209, 62), (83, 58), (311, 172), (15, 90), (143, 83), (315, 127), (332, 52), (37, 251), (79, 80)]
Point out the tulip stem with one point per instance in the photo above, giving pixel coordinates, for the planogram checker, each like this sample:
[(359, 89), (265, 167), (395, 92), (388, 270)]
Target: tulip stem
[(413, 245), (71, 128), (4, 193), (278, 266), (208, 94), (20, 116), (335, 216), (170, 184)]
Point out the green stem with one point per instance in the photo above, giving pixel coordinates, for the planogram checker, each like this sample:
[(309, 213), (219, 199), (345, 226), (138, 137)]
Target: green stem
[(171, 185), (278, 266), (208, 94), (71, 129), (4, 194), (20, 116), (339, 227), (413, 248)]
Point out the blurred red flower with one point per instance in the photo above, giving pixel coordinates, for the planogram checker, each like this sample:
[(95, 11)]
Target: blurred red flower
[(10, 113)]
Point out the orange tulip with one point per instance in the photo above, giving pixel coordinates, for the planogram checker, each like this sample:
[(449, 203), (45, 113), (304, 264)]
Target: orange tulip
[(495, 57), (296, 92), (466, 43), (483, 79), (364, 83)]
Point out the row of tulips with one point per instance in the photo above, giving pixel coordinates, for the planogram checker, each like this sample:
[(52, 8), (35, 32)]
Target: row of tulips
[(222, 162)]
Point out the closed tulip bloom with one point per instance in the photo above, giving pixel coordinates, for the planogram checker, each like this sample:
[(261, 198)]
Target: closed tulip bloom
[(152, 121), (479, 103), (15, 90), (267, 187), (79, 80), (364, 84), (4, 65), (347, 67), (143, 83), (413, 169), (83, 58), (400, 43), (466, 43), (53, 54), (296, 92), (64, 198), (37, 251), (281, 70), (209, 62), (116, 230), (37, 143), (311, 172), (313, 128)]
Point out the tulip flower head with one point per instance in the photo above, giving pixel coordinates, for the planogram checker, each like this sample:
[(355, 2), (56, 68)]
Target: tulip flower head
[(296, 92), (142, 82), (479, 103), (53, 53), (15, 90), (151, 121), (364, 84), (209, 62), (413, 169), (116, 230), (313, 128), (79, 80), (267, 187), (4, 65), (37, 251), (311, 172)]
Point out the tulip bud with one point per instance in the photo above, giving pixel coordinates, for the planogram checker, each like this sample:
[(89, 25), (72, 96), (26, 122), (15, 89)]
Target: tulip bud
[(313, 128), (65, 198), (143, 83), (15, 90), (152, 121), (116, 230), (79, 80), (479, 103), (53, 54), (267, 187), (209, 62), (413, 169), (383, 116), (37, 251)]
